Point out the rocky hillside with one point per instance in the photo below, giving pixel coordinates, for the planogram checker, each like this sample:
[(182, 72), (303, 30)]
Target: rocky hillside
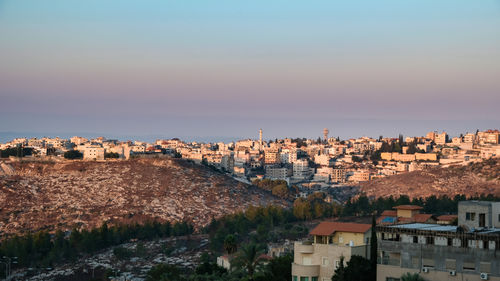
[(37, 195), (473, 179)]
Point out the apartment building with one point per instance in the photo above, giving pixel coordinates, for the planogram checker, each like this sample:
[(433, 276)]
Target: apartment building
[(272, 156), (338, 175), (437, 252), (279, 172), (468, 251), (479, 214), (93, 152), (441, 139), (317, 260), (301, 170)]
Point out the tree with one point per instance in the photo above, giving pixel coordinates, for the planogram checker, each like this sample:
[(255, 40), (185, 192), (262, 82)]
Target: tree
[(249, 259), (279, 269), (373, 249), (357, 269), (73, 154), (339, 274), (111, 155), (411, 277), (230, 245), (280, 190)]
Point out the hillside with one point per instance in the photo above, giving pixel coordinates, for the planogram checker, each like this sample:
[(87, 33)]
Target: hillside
[(37, 195), (473, 179)]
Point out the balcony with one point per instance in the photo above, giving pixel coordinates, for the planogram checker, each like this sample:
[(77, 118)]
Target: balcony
[(304, 247), (305, 270)]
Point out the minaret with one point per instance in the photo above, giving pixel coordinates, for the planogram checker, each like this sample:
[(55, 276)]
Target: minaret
[(325, 133), (260, 139)]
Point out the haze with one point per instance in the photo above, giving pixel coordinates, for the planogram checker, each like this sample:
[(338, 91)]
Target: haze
[(228, 68)]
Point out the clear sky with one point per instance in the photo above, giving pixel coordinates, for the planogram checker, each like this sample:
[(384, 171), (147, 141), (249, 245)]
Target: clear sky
[(228, 68)]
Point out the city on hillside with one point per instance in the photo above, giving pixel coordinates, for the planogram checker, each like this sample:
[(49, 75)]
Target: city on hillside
[(309, 165)]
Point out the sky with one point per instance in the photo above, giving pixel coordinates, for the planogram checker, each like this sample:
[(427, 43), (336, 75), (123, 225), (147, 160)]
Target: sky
[(225, 69)]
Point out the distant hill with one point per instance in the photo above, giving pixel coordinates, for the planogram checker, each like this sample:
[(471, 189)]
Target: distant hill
[(37, 195), (473, 179)]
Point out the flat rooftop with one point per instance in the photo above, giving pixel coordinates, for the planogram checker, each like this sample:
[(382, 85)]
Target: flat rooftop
[(442, 228)]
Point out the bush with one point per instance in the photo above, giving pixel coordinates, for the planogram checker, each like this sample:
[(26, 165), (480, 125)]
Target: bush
[(73, 154)]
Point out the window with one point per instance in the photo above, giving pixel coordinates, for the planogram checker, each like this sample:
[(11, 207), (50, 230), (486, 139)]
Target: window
[(498, 217), (470, 216), (295, 278), (337, 263), (415, 239), (324, 261), (315, 278), (391, 279), (304, 278)]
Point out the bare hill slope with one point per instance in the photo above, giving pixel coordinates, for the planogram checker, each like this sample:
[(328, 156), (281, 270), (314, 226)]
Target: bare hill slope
[(473, 179), (36, 195)]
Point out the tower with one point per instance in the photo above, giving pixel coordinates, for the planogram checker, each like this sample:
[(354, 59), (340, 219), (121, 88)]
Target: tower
[(260, 139), (325, 134)]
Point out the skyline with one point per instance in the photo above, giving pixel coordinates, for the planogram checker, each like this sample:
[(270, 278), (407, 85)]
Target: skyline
[(227, 69)]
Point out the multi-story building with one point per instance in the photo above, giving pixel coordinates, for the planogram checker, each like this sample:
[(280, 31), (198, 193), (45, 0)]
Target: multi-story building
[(360, 176), (338, 175), (437, 252), (479, 214), (468, 251), (317, 260), (279, 172), (93, 152), (271, 156), (441, 138), (488, 137), (301, 170)]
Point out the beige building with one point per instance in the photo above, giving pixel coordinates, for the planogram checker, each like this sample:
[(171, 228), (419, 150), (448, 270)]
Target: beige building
[(441, 138), (271, 156), (93, 152), (318, 259)]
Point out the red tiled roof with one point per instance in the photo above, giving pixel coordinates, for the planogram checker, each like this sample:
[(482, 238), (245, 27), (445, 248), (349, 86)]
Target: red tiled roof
[(447, 217), (389, 213), (408, 207), (265, 257), (422, 217), (328, 228)]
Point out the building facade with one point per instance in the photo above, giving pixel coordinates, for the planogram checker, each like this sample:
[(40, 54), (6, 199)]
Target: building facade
[(317, 260)]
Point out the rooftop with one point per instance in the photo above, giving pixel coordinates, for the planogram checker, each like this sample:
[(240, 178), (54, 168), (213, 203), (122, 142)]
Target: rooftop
[(328, 228), (408, 207)]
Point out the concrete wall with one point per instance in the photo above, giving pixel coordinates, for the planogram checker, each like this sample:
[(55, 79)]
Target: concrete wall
[(322, 258), (478, 207), (442, 259)]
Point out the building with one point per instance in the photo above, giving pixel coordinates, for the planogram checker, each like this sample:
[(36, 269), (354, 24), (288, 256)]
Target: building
[(301, 170), (279, 172), (441, 138), (93, 152), (317, 260), (271, 156), (360, 176), (437, 252), (225, 262), (338, 175), (405, 214), (479, 214)]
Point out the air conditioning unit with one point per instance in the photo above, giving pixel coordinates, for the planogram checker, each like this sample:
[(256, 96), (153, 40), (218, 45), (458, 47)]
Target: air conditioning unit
[(425, 269), (484, 276), (453, 272)]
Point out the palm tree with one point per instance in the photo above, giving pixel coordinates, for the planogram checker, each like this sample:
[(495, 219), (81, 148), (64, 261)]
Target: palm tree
[(411, 277), (249, 259), (230, 245)]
